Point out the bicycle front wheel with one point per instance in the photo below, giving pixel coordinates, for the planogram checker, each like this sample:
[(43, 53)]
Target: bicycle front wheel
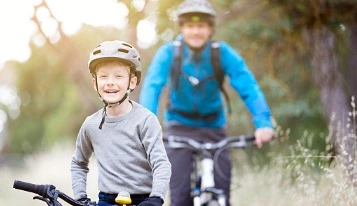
[(213, 203)]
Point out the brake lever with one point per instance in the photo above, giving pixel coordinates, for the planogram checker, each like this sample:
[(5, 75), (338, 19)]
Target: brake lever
[(43, 199)]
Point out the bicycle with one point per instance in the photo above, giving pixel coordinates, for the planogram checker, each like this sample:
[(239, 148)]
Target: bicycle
[(49, 194), (204, 191)]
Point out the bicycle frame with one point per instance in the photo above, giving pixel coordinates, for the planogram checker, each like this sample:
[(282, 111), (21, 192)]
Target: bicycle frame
[(205, 192)]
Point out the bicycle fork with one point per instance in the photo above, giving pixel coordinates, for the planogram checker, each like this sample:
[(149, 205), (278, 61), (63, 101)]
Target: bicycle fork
[(207, 191)]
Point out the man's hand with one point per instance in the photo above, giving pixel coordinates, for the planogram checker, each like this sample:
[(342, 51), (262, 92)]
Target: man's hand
[(152, 201), (263, 135)]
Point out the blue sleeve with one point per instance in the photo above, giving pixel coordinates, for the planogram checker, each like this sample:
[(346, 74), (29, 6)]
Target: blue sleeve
[(156, 78), (245, 84)]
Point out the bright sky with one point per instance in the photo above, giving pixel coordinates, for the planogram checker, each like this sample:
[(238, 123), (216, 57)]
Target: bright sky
[(17, 30)]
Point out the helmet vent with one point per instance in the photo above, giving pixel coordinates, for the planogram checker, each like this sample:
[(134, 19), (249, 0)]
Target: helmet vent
[(123, 50), (97, 52), (128, 45), (114, 50)]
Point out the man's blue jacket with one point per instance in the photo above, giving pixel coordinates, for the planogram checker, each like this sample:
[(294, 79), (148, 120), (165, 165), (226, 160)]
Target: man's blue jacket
[(204, 98)]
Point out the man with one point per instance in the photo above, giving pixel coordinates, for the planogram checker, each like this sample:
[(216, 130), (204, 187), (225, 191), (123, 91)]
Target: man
[(195, 108)]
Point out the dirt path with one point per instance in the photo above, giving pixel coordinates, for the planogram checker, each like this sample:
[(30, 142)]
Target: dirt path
[(48, 167), (52, 167)]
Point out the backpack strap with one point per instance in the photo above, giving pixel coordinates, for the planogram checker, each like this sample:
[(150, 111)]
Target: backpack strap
[(176, 67), (215, 61), (218, 70)]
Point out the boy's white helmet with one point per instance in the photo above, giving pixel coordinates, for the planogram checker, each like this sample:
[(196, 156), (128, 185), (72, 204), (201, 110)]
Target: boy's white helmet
[(115, 50), (196, 6)]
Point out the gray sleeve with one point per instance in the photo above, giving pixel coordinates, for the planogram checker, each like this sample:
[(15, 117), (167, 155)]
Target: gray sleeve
[(151, 136), (79, 164)]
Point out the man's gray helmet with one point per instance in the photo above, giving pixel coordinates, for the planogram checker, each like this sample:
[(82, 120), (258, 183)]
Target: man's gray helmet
[(114, 50), (196, 6)]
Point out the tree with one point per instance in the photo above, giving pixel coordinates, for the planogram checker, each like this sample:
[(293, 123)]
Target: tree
[(319, 23)]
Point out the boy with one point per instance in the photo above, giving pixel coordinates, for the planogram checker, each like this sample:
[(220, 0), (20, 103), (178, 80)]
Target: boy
[(128, 142)]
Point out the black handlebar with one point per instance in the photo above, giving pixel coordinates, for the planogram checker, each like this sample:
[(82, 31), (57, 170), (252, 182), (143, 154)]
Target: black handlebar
[(48, 194), (41, 190)]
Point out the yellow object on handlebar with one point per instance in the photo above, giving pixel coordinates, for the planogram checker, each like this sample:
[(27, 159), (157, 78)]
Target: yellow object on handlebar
[(123, 198)]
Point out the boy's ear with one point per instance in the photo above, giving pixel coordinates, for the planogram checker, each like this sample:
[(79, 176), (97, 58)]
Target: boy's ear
[(133, 82), (94, 82)]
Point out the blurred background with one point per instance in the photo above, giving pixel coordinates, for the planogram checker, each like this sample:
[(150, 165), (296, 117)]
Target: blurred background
[(303, 54)]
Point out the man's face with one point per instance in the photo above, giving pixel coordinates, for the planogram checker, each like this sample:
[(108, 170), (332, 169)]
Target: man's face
[(196, 34)]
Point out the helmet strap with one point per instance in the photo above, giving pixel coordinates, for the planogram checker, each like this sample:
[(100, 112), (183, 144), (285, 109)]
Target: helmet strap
[(103, 117), (110, 105)]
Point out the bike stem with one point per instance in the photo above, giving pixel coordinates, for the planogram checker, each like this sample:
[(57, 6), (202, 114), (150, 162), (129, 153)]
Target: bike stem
[(207, 181)]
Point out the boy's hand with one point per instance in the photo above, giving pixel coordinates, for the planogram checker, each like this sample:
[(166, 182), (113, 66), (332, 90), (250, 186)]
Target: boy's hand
[(152, 201), (263, 135), (84, 200)]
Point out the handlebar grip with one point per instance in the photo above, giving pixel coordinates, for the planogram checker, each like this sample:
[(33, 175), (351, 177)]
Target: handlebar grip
[(250, 138), (29, 187)]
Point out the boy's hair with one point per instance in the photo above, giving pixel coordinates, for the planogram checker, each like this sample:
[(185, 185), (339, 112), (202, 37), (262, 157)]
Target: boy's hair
[(117, 62)]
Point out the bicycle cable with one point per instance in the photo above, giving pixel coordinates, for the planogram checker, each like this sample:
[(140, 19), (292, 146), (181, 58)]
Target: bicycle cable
[(220, 173)]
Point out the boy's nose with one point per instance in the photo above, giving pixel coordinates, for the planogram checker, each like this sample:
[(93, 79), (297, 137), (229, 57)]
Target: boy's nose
[(110, 80)]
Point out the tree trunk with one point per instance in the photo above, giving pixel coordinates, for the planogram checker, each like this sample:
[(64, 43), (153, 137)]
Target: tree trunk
[(352, 61), (334, 100), (352, 87)]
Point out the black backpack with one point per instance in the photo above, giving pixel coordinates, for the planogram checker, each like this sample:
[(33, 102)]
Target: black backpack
[(215, 61)]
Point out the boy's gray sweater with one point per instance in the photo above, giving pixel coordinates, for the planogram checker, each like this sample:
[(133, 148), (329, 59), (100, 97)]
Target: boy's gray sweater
[(130, 154)]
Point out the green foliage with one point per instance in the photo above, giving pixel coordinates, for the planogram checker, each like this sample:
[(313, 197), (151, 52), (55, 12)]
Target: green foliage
[(48, 85), (53, 81), (51, 101), (165, 15), (268, 35), (306, 13)]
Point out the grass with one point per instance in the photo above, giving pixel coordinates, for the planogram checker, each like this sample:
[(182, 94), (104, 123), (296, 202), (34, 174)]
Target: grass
[(286, 181), (297, 176)]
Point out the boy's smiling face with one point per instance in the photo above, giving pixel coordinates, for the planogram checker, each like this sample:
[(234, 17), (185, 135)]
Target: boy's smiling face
[(113, 80)]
